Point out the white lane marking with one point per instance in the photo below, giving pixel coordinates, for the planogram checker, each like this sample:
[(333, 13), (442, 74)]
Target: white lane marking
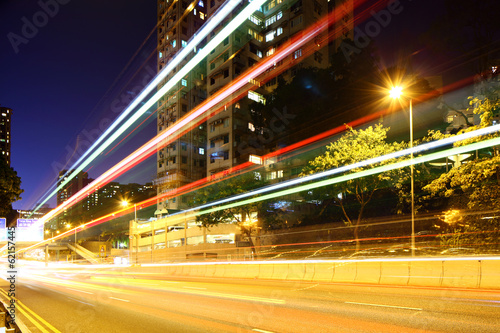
[(262, 331), (77, 300), (120, 299), (386, 306), (194, 288), (80, 291)]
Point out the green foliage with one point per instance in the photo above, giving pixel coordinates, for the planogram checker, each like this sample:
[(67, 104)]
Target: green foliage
[(10, 187), (355, 146), (473, 186), (224, 189)]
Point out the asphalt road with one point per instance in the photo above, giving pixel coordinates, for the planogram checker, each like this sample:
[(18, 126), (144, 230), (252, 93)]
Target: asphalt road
[(90, 301)]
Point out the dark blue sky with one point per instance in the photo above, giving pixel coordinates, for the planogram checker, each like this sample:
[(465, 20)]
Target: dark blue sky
[(69, 77), (57, 78)]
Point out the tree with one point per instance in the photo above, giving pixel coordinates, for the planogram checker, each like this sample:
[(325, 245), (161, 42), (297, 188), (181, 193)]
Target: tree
[(473, 186), (352, 147), (242, 215), (10, 187)]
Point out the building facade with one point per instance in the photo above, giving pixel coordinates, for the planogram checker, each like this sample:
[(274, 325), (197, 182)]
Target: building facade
[(219, 144), (5, 136), (182, 160)]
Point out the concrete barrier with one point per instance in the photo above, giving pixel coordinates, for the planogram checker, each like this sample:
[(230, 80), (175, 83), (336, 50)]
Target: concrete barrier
[(210, 271), (395, 273), (296, 271), (426, 273), (323, 272), (266, 270), (453, 272), (368, 272), (253, 271), (490, 274), (220, 270), (345, 271), (280, 271), (234, 270), (463, 274)]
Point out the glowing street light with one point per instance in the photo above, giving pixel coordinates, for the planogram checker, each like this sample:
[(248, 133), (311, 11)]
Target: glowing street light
[(396, 93)]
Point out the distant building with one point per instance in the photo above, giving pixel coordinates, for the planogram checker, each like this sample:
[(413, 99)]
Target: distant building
[(5, 137), (32, 214)]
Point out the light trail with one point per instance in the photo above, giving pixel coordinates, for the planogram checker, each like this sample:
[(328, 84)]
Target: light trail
[(417, 160), (151, 147), (369, 172), (398, 154), (197, 38)]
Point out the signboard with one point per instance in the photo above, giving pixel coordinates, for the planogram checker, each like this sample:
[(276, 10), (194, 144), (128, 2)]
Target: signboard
[(28, 230), (102, 251), (3, 229)]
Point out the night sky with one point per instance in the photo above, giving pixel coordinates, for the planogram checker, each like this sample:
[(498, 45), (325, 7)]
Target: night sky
[(58, 82), (63, 79)]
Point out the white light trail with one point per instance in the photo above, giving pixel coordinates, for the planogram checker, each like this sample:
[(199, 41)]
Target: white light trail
[(211, 24)]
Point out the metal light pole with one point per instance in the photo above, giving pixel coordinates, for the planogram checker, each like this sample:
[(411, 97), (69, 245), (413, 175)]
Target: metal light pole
[(396, 93), (412, 183)]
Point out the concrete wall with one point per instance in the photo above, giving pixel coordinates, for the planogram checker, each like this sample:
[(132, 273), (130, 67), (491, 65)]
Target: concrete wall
[(483, 273)]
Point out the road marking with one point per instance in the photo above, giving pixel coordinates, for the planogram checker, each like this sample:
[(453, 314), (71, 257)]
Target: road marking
[(77, 300), (386, 306), (24, 310), (194, 288), (119, 299), (87, 292), (262, 331)]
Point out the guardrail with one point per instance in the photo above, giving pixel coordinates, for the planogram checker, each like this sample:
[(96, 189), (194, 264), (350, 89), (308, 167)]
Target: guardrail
[(483, 273)]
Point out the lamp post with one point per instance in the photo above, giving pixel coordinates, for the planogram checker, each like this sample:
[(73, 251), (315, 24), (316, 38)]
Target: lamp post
[(396, 93), (125, 204)]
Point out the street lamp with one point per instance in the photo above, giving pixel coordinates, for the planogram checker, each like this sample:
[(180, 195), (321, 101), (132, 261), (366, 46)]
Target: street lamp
[(396, 93)]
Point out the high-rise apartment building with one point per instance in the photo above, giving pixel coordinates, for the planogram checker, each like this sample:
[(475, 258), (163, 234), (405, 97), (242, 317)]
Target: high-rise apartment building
[(5, 137), (183, 160), (217, 146), (257, 38)]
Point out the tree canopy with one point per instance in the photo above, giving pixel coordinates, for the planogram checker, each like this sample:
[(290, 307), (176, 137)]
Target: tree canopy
[(242, 215), (10, 187), (355, 146)]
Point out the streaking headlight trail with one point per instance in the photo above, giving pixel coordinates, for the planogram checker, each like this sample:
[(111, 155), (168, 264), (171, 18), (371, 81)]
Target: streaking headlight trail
[(211, 24)]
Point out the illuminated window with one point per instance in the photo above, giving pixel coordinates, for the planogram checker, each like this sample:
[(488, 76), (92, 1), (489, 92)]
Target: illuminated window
[(201, 4), (270, 51), (201, 151), (279, 15), (202, 16), (160, 55), (194, 12), (183, 43), (279, 174), (297, 54), (279, 31), (256, 97), (174, 42), (270, 20), (251, 127), (255, 19), (270, 36), (184, 82)]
